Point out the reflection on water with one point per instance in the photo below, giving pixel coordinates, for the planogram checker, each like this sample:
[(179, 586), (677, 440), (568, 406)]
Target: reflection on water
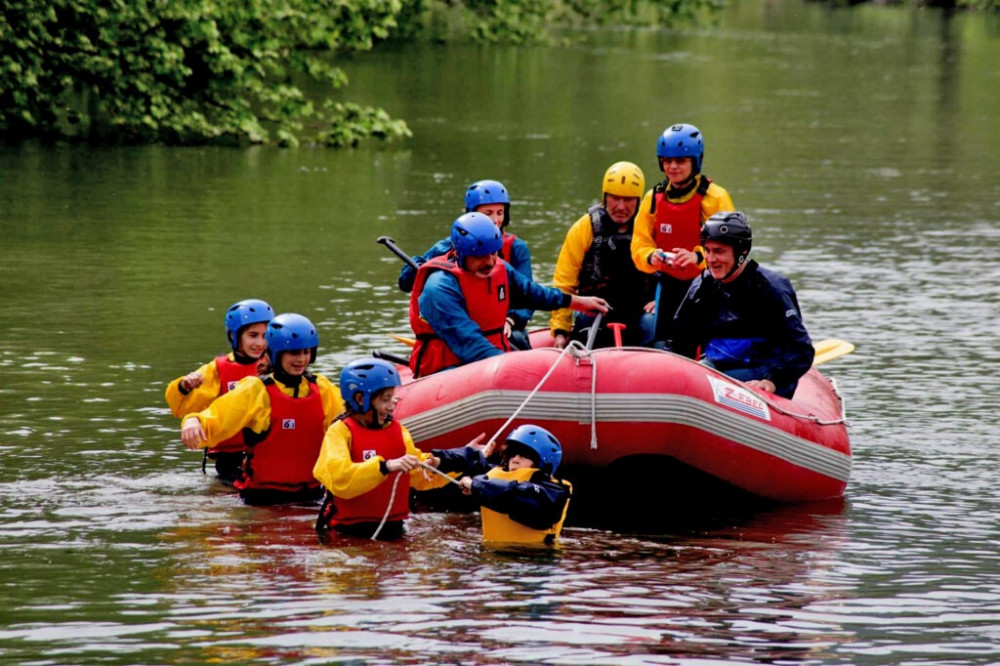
[(861, 142)]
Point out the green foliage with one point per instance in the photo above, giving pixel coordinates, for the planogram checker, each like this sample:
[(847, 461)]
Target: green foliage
[(180, 71), (200, 71)]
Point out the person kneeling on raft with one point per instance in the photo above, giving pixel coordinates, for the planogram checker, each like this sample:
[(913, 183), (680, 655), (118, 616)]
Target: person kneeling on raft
[(521, 500)]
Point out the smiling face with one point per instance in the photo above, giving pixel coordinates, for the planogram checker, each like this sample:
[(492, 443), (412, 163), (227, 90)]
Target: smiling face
[(720, 259), (678, 170), (296, 361), (252, 340), (384, 403)]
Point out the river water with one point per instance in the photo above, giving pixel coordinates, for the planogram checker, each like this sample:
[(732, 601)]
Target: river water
[(861, 142)]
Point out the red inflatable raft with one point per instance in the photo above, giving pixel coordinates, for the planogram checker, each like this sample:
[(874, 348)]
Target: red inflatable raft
[(608, 405)]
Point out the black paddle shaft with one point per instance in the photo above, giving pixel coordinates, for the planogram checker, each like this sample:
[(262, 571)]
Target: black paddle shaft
[(391, 244)]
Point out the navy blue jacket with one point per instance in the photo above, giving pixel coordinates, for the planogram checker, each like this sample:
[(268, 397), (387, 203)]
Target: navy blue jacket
[(537, 503), (755, 319)]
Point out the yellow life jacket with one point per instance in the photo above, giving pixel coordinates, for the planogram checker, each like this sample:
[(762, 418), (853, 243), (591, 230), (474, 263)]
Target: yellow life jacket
[(498, 527)]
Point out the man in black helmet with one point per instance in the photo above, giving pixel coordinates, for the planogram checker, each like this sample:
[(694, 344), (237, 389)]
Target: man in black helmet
[(744, 319)]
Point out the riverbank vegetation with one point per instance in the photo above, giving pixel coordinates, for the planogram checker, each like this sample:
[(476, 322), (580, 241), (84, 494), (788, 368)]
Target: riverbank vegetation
[(198, 71)]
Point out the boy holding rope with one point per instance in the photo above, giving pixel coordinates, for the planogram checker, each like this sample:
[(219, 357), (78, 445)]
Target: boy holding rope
[(522, 502), (368, 461)]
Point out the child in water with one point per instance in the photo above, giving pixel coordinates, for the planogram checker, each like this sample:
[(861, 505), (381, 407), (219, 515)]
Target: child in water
[(282, 416), (522, 502), (246, 325), (368, 461)]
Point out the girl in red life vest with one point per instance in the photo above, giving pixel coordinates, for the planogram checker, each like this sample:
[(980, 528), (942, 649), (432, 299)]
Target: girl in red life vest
[(368, 461), (667, 234), (246, 325), (282, 417)]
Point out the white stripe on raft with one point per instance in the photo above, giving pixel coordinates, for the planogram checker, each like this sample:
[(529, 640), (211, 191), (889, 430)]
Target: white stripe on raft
[(632, 408)]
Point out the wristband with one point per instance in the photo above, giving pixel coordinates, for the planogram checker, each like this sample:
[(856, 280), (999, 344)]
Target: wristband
[(383, 467)]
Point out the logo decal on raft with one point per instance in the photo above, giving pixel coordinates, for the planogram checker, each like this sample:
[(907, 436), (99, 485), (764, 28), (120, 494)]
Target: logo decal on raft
[(738, 398)]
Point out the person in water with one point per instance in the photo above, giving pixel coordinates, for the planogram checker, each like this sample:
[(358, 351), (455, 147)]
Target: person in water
[(282, 416), (490, 198), (246, 325), (368, 461), (744, 317), (460, 301), (596, 259), (668, 224), (521, 499)]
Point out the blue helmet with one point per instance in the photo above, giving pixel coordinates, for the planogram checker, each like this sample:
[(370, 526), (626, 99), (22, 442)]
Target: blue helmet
[(484, 192), (369, 376), (682, 140), (542, 443), (475, 235), (244, 313), (290, 332)]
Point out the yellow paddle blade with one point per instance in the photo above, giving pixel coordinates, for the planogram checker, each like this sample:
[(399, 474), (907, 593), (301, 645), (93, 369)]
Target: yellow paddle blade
[(827, 350), (406, 341)]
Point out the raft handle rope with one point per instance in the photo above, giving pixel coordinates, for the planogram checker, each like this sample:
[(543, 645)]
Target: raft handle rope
[(579, 352)]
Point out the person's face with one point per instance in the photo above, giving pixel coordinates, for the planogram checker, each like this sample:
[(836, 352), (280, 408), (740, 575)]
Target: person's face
[(677, 169), (621, 209), (481, 266), (252, 340), (296, 361), (384, 403), (493, 211), (720, 258), (517, 461)]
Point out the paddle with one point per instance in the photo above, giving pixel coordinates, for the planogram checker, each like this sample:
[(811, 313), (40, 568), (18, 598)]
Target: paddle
[(391, 244), (831, 348)]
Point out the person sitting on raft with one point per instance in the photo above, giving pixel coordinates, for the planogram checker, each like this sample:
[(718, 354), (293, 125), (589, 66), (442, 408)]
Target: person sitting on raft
[(282, 415), (246, 325), (521, 500), (596, 259), (744, 317), (368, 461), (670, 217), (460, 302), (490, 198)]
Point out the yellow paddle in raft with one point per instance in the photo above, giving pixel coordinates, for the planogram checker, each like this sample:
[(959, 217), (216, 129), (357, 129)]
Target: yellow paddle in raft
[(831, 348)]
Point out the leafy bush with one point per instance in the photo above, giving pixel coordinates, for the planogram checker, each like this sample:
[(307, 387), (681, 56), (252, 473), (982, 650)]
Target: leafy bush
[(179, 71)]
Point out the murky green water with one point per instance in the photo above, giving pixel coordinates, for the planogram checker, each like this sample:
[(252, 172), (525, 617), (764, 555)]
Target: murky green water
[(863, 145)]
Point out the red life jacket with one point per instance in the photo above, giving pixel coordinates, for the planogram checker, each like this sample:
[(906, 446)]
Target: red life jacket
[(508, 245), (486, 301), (369, 507), (284, 458), (230, 372), (678, 225)]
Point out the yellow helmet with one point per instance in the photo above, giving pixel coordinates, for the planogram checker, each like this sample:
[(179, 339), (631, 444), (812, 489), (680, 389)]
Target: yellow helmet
[(624, 179)]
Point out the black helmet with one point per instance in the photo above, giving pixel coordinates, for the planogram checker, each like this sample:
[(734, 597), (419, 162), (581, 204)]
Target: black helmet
[(732, 229)]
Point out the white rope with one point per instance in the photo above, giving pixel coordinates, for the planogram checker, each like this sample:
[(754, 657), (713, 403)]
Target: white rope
[(572, 345), (388, 508), (437, 471)]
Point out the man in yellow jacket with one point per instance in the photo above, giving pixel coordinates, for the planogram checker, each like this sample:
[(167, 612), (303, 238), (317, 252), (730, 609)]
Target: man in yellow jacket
[(596, 260), (667, 234)]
